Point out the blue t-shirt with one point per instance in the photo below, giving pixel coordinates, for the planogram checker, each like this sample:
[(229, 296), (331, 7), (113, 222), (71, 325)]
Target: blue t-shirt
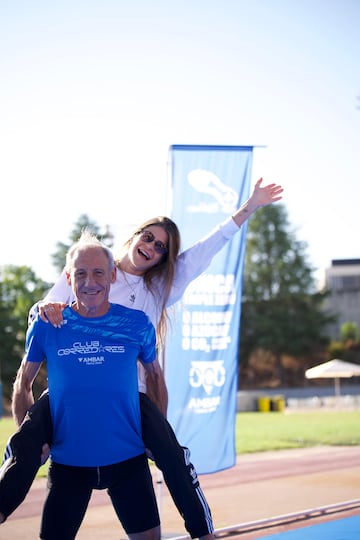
[(92, 376)]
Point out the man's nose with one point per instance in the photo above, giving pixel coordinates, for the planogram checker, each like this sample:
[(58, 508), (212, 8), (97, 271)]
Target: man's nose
[(90, 280)]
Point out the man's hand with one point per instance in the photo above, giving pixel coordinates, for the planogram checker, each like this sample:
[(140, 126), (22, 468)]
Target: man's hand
[(149, 454), (45, 453)]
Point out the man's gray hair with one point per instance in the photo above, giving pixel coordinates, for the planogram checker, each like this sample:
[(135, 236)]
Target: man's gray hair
[(88, 239)]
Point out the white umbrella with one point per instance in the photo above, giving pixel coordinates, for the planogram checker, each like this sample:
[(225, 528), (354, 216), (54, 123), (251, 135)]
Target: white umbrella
[(334, 369)]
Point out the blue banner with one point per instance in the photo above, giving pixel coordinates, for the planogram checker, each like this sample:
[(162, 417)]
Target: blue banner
[(201, 361)]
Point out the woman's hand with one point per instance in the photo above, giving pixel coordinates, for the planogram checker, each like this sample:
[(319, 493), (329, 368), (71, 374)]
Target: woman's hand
[(52, 312), (269, 194), (261, 196)]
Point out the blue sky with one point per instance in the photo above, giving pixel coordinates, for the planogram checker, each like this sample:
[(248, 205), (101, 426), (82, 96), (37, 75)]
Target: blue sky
[(94, 93)]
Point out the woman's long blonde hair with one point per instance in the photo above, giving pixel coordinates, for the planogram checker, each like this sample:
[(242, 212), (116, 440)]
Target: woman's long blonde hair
[(163, 271)]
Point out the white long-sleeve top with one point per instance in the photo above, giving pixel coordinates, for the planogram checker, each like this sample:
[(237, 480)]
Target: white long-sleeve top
[(130, 290)]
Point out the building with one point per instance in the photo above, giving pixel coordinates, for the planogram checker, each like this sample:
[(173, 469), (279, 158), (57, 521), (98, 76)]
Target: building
[(342, 279)]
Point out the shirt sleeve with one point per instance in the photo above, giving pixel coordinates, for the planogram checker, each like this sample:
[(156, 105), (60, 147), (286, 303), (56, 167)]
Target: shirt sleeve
[(60, 292), (194, 261), (34, 351), (148, 350)]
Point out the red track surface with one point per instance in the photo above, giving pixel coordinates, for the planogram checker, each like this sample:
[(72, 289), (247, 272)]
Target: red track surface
[(259, 487)]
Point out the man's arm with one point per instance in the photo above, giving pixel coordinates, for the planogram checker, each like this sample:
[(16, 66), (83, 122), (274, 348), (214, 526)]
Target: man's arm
[(155, 386), (22, 396)]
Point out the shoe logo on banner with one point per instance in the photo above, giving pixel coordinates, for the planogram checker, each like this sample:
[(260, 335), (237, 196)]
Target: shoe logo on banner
[(203, 181)]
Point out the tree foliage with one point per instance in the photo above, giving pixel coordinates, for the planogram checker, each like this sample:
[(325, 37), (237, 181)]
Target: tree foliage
[(349, 331), (281, 311), (20, 288), (83, 222), (275, 263)]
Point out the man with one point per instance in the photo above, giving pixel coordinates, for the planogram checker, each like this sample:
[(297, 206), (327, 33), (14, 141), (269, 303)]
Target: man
[(94, 400)]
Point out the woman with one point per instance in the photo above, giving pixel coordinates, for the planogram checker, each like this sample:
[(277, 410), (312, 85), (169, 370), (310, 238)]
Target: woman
[(151, 276)]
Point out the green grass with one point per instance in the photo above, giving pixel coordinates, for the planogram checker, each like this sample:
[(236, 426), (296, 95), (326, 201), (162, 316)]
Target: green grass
[(7, 427), (265, 431)]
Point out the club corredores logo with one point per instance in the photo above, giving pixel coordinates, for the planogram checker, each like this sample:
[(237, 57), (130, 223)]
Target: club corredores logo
[(90, 353)]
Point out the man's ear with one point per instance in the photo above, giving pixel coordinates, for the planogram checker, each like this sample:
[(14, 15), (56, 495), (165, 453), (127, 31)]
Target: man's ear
[(68, 278), (113, 275)]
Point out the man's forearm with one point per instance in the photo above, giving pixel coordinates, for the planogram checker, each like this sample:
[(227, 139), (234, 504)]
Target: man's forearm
[(21, 402), (22, 396), (156, 387)]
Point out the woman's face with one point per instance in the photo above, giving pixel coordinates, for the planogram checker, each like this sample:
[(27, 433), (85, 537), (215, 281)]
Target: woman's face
[(147, 248)]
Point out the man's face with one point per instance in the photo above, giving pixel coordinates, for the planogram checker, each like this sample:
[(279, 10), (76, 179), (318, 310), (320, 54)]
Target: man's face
[(90, 278)]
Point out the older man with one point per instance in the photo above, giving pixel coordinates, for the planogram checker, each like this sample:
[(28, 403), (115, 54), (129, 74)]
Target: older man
[(94, 401)]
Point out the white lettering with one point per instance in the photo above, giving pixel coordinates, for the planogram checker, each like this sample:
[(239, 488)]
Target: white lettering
[(204, 405), (207, 374)]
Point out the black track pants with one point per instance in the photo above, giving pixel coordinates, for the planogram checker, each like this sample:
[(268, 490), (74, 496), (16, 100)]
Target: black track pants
[(22, 455), (22, 461), (179, 473)]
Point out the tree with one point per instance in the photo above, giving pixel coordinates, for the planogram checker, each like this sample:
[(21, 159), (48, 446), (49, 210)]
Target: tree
[(20, 288), (349, 331), (83, 222), (275, 262), (281, 311), (348, 347)]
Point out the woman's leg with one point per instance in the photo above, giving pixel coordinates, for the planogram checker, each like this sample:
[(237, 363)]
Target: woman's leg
[(179, 473), (22, 457)]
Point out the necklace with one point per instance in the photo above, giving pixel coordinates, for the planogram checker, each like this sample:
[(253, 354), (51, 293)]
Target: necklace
[(131, 286)]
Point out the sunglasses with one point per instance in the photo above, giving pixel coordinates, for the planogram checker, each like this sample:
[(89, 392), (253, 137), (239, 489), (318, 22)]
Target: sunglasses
[(147, 236)]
